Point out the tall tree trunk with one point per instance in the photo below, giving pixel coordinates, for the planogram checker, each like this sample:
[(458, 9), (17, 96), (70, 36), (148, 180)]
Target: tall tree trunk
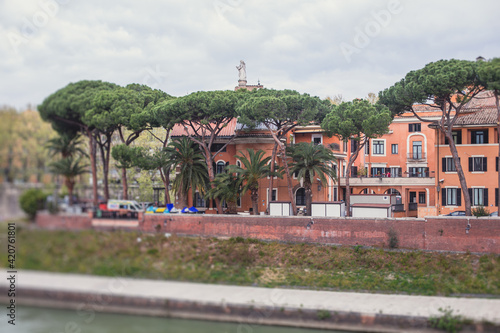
[(165, 177), (352, 158), (211, 176), (255, 201), (460, 172), (271, 179), (93, 166), (308, 190), (183, 200), (124, 184), (70, 184), (282, 149), (106, 163), (288, 178)]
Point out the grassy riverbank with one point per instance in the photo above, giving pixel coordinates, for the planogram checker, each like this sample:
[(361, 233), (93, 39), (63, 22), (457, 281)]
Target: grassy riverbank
[(251, 262)]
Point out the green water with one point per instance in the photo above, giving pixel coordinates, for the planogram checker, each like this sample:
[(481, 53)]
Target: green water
[(39, 320)]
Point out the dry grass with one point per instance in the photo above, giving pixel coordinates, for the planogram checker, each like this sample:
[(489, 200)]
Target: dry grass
[(252, 262)]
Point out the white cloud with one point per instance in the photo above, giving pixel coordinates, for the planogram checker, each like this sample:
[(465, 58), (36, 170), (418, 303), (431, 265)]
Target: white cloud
[(182, 47)]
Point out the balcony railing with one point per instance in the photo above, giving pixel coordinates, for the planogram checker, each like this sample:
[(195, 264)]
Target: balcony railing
[(413, 206), (417, 156), (398, 208), (419, 174)]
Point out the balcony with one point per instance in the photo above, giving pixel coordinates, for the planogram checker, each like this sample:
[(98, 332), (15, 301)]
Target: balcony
[(406, 180), (417, 157), (413, 206), (398, 208)]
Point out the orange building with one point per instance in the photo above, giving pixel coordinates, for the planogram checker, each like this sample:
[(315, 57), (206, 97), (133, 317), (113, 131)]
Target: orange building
[(412, 161), (476, 138)]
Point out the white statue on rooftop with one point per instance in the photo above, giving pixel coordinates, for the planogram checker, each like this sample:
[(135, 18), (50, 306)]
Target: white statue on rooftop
[(242, 71)]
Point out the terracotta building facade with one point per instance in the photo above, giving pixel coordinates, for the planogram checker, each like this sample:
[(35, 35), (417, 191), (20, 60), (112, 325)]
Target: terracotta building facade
[(412, 161)]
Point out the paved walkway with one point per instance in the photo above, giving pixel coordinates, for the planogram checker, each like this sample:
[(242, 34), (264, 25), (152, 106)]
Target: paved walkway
[(365, 303)]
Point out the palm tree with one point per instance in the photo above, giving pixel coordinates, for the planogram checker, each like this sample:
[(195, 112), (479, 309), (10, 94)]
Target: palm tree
[(66, 146), (309, 161), (192, 171), (255, 167), (69, 168), (226, 187)]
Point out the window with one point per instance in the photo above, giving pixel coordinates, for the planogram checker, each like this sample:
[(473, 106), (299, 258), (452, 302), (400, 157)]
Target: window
[(451, 197), (354, 171), (273, 198), (335, 146), (457, 138), (496, 197), (317, 139), (478, 196), (418, 172), (413, 197), (417, 150), (345, 146), (478, 164), (421, 197), (496, 164), (220, 167), (378, 172), (199, 201), (335, 194), (354, 145), (479, 136), (300, 197), (334, 167), (449, 164), (217, 146), (395, 172), (378, 147), (394, 148), (367, 147), (414, 127)]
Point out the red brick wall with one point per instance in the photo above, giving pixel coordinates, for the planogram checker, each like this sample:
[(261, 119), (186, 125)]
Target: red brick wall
[(432, 233), (425, 234), (63, 221)]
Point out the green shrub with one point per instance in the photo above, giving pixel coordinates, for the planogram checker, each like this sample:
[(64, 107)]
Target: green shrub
[(480, 211), (323, 314), (393, 238), (32, 201), (448, 321)]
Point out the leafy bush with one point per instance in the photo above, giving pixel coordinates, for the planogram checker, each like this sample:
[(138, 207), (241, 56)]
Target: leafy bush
[(448, 321), (32, 201), (323, 314), (480, 211), (393, 238)]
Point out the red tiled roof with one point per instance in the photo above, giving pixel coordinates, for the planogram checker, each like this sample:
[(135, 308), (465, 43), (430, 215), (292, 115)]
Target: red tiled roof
[(228, 131), (485, 116)]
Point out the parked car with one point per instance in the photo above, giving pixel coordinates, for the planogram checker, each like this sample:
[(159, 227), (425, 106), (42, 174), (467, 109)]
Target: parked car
[(494, 213), (456, 213)]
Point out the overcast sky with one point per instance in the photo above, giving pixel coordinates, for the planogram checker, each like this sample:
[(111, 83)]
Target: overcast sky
[(322, 47)]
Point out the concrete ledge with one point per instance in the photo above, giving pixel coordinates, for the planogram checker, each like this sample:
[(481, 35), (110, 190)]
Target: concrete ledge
[(360, 312), (224, 312)]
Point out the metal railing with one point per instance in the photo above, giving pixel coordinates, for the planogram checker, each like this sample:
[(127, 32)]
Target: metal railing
[(417, 156), (398, 208)]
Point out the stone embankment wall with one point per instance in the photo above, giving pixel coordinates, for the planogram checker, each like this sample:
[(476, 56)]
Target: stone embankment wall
[(432, 233)]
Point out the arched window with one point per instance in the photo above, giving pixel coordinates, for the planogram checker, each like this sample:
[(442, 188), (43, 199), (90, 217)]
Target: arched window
[(300, 197), (220, 167), (392, 191)]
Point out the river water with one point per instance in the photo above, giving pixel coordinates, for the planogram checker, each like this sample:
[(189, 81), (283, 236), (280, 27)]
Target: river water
[(41, 320)]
